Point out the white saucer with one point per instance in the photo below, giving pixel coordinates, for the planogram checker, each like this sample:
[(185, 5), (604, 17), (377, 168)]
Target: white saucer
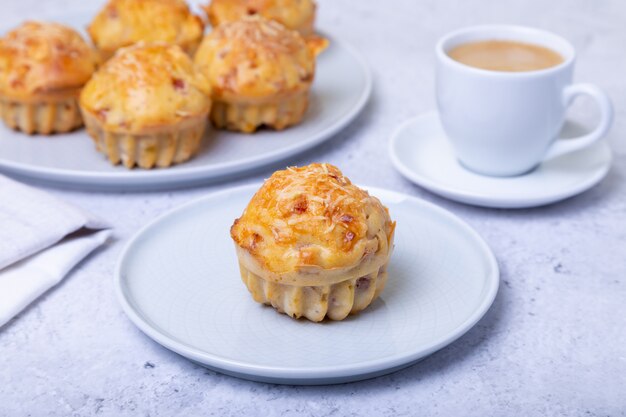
[(341, 89), (178, 281), (421, 152)]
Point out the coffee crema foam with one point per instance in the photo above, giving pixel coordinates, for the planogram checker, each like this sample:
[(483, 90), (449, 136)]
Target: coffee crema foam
[(508, 56)]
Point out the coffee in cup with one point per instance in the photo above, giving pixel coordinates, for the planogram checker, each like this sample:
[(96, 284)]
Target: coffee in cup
[(503, 55), (505, 119)]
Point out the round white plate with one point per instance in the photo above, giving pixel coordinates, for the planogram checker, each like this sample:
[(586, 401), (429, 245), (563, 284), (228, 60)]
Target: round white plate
[(178, 281), (341, 88), (420, 150)]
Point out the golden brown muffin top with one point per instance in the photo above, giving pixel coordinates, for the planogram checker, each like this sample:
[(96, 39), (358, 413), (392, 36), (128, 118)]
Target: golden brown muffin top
[(38, 58), (256, 58), (294, 14), (124, 22), (146, 86), (312, 216)]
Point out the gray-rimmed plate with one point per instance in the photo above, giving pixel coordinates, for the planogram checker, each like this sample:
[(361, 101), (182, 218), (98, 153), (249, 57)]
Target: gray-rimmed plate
[(178, 281), (340, 91)]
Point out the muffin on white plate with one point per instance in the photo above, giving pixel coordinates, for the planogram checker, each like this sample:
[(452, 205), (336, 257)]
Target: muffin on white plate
[(260, 74), (123, 23), (312, 244), (43, 67), (147, 106), (294, 14)]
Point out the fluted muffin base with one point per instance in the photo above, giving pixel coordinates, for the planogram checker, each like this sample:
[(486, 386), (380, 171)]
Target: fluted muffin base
[(334, 301), (148, 150), (42, 117), (248, 117)]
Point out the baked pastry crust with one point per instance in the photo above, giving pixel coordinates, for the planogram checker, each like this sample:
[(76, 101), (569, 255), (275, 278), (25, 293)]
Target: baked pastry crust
[(42, 69), (125, 22), (294, 14), (260, 73), (312, 244), (147, 106)]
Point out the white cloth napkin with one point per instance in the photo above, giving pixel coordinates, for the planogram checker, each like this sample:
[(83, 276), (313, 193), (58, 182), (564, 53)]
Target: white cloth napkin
[(41, 240)]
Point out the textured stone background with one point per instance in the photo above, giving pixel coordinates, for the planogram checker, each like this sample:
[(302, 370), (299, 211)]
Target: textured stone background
[(554, 342)]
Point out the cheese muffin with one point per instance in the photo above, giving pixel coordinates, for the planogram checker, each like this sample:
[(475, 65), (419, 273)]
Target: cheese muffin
[(43, 66), (125, 22), (294, 14), (260, 73), (314, 245), (147, 106)]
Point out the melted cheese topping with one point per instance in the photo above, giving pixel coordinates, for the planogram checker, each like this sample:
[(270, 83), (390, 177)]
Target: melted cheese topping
[(146, 86), (124, 22), (256, 58), (38, 58), (294, 14), (312, 217)]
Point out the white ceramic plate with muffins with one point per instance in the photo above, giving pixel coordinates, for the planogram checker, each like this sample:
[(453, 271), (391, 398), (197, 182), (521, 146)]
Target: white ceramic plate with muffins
[(179, 281), (340, 90)]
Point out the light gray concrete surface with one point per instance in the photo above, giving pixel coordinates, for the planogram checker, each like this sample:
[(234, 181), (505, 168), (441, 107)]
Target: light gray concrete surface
[(554, 342)]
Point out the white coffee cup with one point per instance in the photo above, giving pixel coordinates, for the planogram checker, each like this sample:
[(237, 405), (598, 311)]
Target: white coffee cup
[(507, 123)]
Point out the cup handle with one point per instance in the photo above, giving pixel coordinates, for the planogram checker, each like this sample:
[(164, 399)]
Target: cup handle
[(563, 146)]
